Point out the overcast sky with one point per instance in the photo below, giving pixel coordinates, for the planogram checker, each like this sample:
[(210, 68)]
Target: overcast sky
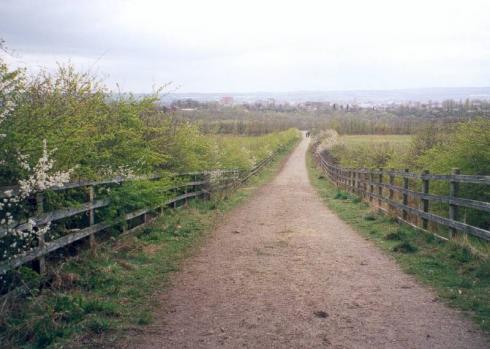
[(257, 45)]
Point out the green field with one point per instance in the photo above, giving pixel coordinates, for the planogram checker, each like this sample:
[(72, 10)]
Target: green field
[(361, 140), (371, 150)]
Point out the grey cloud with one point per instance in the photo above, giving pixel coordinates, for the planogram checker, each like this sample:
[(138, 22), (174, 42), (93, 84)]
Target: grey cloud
[(287, 48)]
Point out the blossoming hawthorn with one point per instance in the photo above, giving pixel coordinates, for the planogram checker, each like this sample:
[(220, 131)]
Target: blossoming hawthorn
[(40, 177)]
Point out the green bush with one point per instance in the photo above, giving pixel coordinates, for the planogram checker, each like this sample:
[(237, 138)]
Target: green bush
[(100, 134)]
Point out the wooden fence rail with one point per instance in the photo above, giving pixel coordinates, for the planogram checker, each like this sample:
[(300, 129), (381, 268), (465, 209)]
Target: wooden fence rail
[(371, 184), (198, 184)]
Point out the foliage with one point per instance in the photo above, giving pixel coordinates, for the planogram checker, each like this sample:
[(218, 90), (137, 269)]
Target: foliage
[(466, 146), (132, 195), (71, 111), (267, 116), (32, 178), (99, 134), (366, 151), (244, 152)]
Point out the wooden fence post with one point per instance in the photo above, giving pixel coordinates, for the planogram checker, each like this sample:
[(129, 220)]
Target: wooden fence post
[(353, 181), (453, 208), (365, 188), (40, 238), (207, 185), (91, 217), (186, 202), (349, 182), (360, 184), (371, 185), (425, 202), (391, 194), (174, 192), (405, 196), (380, 187)]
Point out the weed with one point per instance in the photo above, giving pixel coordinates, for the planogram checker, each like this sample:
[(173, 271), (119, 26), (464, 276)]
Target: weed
[(465, 283), (483, 271), (370, 216), (341, 195), (356, 200), (461, 254), (430, 238), (100, 306), (98, 325), (145, 318), (405, 247), (396, 235)]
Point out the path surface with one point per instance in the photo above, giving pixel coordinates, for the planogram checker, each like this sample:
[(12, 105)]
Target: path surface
[(282, 271)]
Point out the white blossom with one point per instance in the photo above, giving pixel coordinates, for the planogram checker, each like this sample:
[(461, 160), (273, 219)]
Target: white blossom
[(41, 179)]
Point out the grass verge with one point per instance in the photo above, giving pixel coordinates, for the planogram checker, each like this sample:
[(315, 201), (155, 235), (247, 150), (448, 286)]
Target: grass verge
[(93, 299), (459, 277)]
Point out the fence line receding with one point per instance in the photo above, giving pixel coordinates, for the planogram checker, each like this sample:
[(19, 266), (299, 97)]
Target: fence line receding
[(193, 185), (406, 196)]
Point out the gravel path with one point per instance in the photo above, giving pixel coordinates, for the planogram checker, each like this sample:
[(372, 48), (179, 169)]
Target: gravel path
[(282, 271)]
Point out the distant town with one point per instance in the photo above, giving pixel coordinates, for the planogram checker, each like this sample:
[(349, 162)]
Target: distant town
[(439, 102)]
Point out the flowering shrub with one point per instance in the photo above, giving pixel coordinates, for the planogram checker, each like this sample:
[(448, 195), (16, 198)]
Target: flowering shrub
[(39, 177), (10, 88)]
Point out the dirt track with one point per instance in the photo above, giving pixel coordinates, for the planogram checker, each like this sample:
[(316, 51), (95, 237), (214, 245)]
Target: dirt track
[(282, 271)]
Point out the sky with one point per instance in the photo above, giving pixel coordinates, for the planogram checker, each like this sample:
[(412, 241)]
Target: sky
[(255, 45)]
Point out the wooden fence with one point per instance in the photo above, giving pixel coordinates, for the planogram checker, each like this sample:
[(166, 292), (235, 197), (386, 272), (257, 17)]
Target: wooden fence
[(397, 193), (194, 185)]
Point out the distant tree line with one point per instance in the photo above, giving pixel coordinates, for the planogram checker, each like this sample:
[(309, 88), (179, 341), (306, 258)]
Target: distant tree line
[(267, 116)]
